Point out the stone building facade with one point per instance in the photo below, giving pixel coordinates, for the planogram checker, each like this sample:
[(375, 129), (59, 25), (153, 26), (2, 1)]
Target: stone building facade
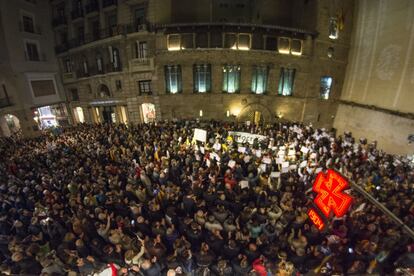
[(142, 60), (31, 91)]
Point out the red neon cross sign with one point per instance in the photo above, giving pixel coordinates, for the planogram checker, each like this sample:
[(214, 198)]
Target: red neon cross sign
[(330, 196)]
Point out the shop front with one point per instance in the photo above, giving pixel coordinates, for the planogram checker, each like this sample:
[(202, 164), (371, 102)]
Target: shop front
[(108, 111), (51, 116)]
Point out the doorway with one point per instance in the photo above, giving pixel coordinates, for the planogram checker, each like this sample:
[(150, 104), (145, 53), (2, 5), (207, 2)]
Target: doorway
[(9, 124), (108, 114), (148, 112)]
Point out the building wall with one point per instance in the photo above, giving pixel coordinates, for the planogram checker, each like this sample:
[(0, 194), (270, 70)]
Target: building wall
[(381, 73), (16, 70), (305, 104)]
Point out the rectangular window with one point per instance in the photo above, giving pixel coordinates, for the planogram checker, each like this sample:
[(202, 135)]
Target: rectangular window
[(43, 88), (118, 85), (243, 42), (326, 84), (174, 42), (68, 66), (231, 78), (333, 28), (202, 78), (145, 87), (141, 49), (259, 79), (271, 43), (139, 17), (283, 45), (28, 24), (173, 81), (201, 40), (74, 94), (31, 51), (286, 80)]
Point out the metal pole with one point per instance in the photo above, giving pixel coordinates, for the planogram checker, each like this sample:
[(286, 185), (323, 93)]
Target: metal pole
[(379, 205)]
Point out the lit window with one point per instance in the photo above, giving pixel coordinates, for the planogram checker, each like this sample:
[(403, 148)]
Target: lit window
[(237, 41), (174, 42), (333, 28), (231, 78), (326, 84), (202, 78), (145, 87), (259, 79), (173, 80), (244, 42), (79, 114), (283, 45), (141, 49), (287, 78), (296, 47)]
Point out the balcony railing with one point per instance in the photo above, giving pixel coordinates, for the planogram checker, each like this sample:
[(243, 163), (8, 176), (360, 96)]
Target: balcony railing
[(5, 102), (105, 33), (34, 29), (38, 57), (78, 13), (68, 77), (58, 21), (107, 3), (110, 68), (93, 6), (141, 64)]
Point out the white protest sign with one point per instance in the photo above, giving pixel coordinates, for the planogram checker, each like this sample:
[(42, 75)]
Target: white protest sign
[(202, 150), (266, 160), (285, 164), (305, 150), (215, 156), (245, 137), (262, 167), (275, 174), (244, 184), (246, 159), (200, 135), (217, 146), (258, 153), (280, 160), (241, 149), (231, 164), (303, 164)]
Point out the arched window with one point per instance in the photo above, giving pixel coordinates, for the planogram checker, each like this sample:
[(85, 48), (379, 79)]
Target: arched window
[(104, 91)]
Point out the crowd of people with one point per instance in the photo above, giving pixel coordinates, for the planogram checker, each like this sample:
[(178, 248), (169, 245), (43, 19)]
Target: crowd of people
[(150, 200)]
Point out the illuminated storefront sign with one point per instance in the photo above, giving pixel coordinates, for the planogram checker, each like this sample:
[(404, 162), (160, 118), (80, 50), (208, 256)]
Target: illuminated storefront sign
[(330, 196)]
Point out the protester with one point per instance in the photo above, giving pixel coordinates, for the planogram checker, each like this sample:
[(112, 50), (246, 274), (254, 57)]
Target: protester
[(150, 200)]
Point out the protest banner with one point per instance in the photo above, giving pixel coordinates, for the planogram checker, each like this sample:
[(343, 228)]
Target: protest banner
[(245, 137)]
